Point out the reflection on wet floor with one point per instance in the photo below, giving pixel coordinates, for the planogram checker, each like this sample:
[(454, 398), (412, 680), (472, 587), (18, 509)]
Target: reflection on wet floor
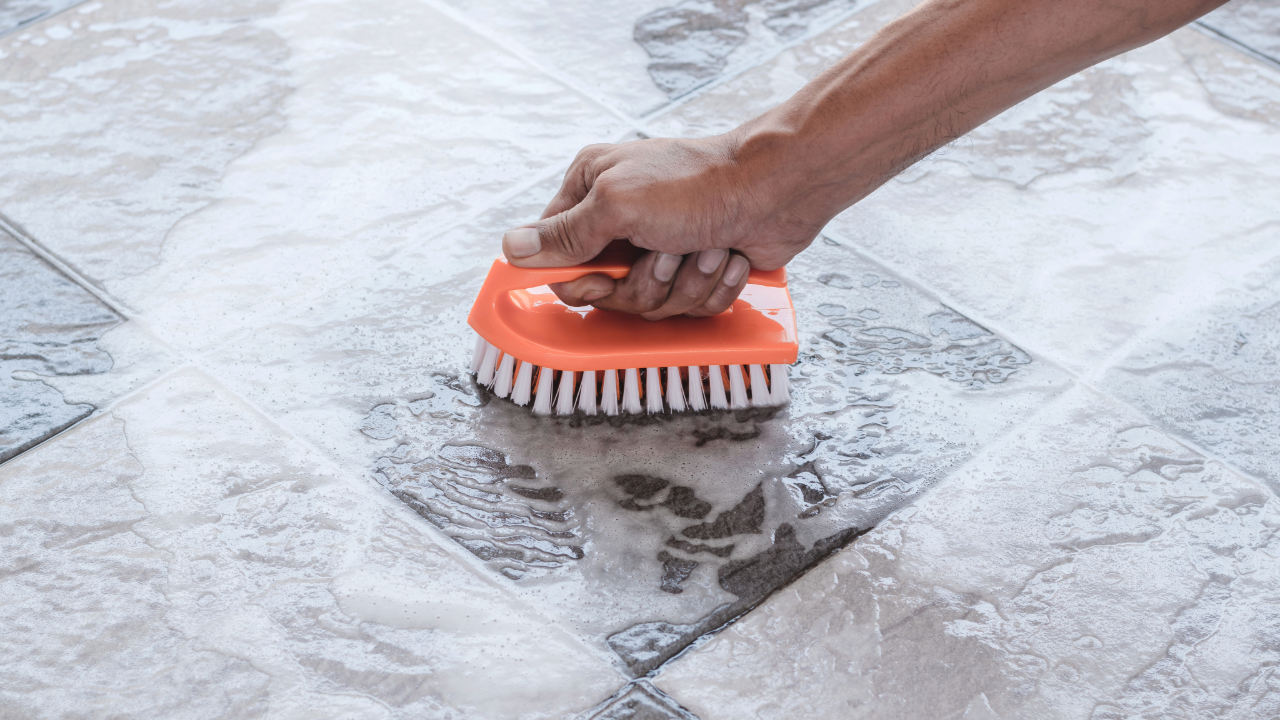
[(684, 522), (690, 43), (49, 326)]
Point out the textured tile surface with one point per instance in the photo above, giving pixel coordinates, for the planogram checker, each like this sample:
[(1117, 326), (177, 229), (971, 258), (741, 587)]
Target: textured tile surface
[(1090, 567), (182, 557), (1082, 217), (1254, 23), (49, 326), (1213, 376), (638, 55)]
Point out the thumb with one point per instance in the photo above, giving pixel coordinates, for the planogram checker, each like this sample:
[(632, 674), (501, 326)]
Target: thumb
[(569, 238)]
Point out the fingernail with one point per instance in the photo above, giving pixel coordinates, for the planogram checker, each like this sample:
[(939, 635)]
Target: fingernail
[(595, 295), (522, 242), (709, 260), (738, 267), (664, 268)]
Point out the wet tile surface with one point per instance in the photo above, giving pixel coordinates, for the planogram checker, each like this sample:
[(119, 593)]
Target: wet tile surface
[(1252, 23), (49, 326), (639, 700), (1213, 376), (1090, 566), (183, 532), (637, 56), (16, 14)]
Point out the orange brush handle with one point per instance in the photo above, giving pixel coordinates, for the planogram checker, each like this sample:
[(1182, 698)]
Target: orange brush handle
[(535, 327)]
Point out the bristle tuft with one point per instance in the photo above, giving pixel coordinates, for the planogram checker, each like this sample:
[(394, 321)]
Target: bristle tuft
[(477, 355), (631, 392), (760, 396), (490, 363), (675, 391), (653, 390), (737, 388), (506, 372), (697, 400), (587, 393), (718, 399), (781, 384), (542, 403), (564, 397), (524, 384), (609, 393)]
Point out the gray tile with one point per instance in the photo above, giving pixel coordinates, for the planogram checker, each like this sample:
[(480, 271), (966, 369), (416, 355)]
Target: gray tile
[(1086, 566), (1255, 24), (49, 326), (640, 700), (16, 14), (1213, 376)]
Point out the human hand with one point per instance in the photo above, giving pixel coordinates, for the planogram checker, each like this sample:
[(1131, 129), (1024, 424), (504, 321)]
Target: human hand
[(706, 211)]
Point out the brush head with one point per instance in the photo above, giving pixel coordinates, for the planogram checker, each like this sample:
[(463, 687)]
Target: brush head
[(596, 360)]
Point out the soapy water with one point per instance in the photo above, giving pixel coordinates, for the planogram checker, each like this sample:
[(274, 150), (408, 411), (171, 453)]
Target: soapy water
[(686, 521)]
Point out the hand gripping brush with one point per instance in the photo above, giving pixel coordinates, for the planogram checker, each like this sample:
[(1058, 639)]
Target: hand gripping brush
[(532, 347)]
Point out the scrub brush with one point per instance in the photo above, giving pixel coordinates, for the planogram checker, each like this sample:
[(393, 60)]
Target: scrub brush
[(534, 348)]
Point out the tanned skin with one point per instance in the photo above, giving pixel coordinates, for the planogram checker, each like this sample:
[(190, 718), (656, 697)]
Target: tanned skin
[(709, 209)]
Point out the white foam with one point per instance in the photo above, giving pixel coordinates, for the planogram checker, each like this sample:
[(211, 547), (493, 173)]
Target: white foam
[(587, 393), (506, 372), (546, 383), (609, 393), (524, 384), (760, 396), (737, 388), (564, 397), (653, 390)]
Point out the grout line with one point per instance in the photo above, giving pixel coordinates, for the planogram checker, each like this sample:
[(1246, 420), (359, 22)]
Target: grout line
[(32, 22), (19, 234), (1223, 37), (1051, 358)]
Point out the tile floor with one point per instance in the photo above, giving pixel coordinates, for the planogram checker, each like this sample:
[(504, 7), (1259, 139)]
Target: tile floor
[(1028, 471)]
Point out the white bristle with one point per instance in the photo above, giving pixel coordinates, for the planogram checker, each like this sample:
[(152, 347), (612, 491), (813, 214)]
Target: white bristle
[(737, 388), (760, 396), (609, 393), (653, 390), (631, 392), (697, 400), (675, 391), (781, 385), (587, 393), (564, 397), (524, 384), (718, 399), (490, 363), (506, 372), (477, 357), (542, 403)]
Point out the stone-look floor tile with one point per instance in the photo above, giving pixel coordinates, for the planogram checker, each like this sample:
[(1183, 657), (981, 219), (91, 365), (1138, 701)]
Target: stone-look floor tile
[(1100, 208), (1087, 567), (182, 557), (49, 326), (639, 700), (14, 14), (1213, 377), (680, 522), (121, 117), (1254, 23), (637, 56)]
